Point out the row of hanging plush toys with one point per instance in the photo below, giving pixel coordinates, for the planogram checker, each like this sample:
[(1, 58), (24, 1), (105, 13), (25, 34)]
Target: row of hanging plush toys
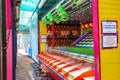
[(69, 33), (66, 31), (63, 33)]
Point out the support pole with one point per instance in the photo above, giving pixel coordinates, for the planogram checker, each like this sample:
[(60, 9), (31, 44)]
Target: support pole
[(53, 29)]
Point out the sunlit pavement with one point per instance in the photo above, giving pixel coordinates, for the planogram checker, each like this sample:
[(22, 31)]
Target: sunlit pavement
[(23, 66), (21, 52)]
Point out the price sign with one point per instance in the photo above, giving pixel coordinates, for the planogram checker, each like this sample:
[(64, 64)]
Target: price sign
[(109, 27), (109, 41), (43, 36), (43, 40)]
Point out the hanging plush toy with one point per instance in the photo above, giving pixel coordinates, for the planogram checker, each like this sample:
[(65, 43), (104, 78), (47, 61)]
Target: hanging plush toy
[(46, 21), (50, 16), (56, 18), (61, 12)]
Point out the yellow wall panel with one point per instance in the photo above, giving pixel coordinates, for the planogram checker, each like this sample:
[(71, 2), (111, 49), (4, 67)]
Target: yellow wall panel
[(110, 58), (43, 31), (108, 73), (116, 2), (42, 47)]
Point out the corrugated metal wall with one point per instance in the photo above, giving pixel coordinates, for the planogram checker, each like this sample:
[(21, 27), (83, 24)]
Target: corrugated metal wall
[(110, 58), (34, 36)]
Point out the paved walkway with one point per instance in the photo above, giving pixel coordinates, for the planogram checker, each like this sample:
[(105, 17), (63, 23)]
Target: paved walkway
[(23, 66), (21, 52)]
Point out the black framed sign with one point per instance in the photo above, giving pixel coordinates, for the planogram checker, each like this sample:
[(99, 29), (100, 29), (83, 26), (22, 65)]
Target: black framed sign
[(109, 26), (109, 34), (109, 41)]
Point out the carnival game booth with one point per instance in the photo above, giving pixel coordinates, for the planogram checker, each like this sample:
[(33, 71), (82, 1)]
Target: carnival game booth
[(70, 41)]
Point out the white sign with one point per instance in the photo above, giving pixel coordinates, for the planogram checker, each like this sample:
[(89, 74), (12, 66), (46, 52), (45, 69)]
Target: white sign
[(109, 41), (43, 36), (109, 27), (43, 40)]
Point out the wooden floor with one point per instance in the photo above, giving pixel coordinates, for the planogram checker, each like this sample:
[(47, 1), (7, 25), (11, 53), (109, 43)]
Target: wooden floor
[(23, 67)]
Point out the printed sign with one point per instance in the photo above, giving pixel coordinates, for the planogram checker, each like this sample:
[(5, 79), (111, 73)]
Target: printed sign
[(109, 41), (43, 40), (43, 36), (109, 27)]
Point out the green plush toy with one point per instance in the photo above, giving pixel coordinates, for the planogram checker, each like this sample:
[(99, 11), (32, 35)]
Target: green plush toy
[(50, 16), (56, 18), (47, 21), (61, 12), (64, 16)]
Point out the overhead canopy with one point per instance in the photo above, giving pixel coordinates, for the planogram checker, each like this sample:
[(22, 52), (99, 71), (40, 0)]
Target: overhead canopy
[(25, 17), (29, 5), (50, 4), (27, 8), (43, 7)]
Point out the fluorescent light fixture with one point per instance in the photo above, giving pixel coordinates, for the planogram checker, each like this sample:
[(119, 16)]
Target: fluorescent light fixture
[(42, 4), (63, 6), (69, 6), (67, 3)]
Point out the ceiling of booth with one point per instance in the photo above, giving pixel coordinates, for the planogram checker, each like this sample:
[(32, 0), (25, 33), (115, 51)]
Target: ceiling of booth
[(28, 7)]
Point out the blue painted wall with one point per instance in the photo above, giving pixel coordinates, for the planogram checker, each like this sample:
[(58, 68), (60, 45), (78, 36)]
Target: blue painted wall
[(34, 35)]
